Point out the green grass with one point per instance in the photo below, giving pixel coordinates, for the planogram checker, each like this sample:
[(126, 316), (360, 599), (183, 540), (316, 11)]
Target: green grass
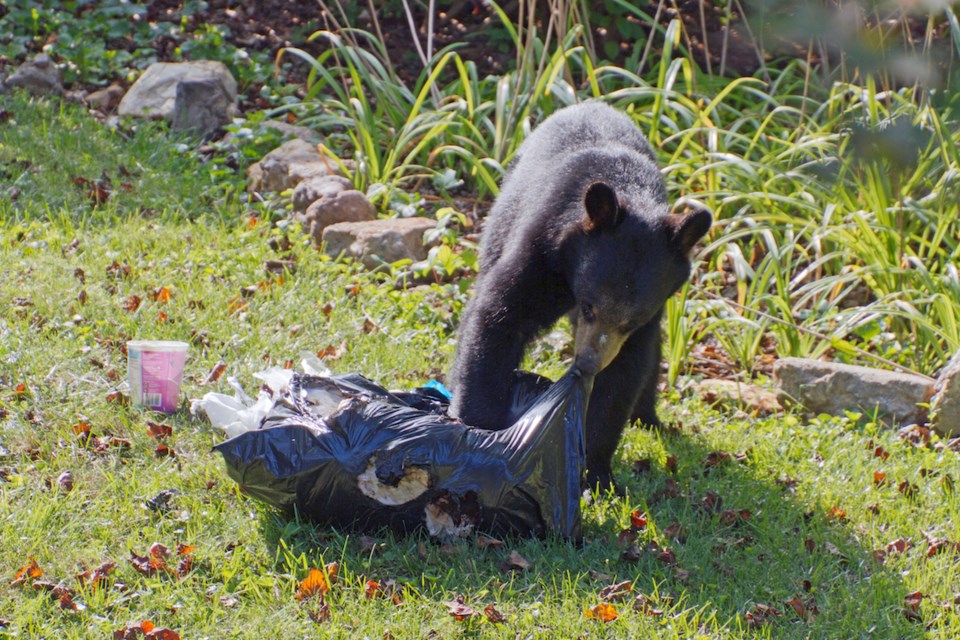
[(204, 246)]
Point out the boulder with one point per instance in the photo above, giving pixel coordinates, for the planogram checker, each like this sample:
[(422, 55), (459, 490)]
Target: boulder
[(378, 242), (157, 93), (288, 165), (833, 388), (738, 395), (202, 106), (38, 76), (945, 407)]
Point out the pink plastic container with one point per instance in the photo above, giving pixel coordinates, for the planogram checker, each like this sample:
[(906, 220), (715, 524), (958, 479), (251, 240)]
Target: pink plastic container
[(154, 370)]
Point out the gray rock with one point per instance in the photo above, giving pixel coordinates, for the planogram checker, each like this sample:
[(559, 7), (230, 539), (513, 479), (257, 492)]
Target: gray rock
[(342, 206), (738, 395), (945, 406), (201, 106), (832, 388), (313, 189), (288, 165), (154, 94), (38, 76), (105, 100), (377, 242)]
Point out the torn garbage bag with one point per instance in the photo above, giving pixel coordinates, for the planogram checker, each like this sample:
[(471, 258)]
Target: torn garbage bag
[(343, 451)]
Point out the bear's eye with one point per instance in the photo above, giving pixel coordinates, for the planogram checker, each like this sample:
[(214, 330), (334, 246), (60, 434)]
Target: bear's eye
[(588, 313)]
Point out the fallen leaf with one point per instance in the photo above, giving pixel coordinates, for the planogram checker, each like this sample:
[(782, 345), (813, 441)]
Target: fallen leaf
[(907, 488), (131, 303), (118, 398), (149, 565), (327, 309), (331, 352), (616, 592), (458, 609), (603, 612), (911, 606), (674, 532), (761, 615), (371, 588), (159, 431), (642, 466), (516, 562), (493, 615), (836, 513), (486, 542), (638, 520), (881, 453), (163, 451), (671, 464), (806, 610), (215, 373), (644, 604), (29, 571), (321, 614), (369, 326), (161, 295), (317, 581), (879, 478), (65, 481)]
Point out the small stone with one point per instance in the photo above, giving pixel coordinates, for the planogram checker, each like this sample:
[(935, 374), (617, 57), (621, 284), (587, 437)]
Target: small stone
[(313, 189), (288, 165), (38, 76), (345, 206), (105, 100), (378, 242), (833, 388), (733, 394), (945, 406)]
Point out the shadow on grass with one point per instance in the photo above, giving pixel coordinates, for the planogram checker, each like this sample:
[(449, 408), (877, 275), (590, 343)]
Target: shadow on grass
[(723, 540)]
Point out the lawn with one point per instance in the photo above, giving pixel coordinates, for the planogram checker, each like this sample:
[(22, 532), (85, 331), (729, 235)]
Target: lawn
[(732, 526), (837, 235)]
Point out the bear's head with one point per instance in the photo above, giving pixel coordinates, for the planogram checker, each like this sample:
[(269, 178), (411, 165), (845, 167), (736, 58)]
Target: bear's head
[(629, 258)]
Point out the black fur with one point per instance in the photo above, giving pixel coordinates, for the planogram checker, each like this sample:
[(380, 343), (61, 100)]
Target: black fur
[(581, 226)]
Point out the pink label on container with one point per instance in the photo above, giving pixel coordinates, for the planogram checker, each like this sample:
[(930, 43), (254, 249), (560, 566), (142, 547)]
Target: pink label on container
[(160, 375)]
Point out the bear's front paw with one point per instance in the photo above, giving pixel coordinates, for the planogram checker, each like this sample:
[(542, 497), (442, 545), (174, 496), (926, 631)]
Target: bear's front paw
[(601, 481)]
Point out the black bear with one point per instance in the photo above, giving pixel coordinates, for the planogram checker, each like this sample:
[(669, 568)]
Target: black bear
[(581, 226)]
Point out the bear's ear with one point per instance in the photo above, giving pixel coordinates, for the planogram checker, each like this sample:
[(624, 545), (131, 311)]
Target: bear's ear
[(687, 229), (603, 210)]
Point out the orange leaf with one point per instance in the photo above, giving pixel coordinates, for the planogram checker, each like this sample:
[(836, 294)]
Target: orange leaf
[(603, 612), (159, 431), (185, 549), (132, 303), (215, 373), (879, 478), (161, 294), (836, 513), (371, 589), (638, 520), (314, 583), (31, 570)]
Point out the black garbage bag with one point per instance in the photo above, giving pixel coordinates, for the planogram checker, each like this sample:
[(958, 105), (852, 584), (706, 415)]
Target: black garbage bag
[(396, 460)]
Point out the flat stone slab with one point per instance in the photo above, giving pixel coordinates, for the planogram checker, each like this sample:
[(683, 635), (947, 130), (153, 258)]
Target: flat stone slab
[(378, 242), (833, 388)]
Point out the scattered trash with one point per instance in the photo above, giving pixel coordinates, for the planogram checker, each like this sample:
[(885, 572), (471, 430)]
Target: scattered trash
[(343, 451)]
